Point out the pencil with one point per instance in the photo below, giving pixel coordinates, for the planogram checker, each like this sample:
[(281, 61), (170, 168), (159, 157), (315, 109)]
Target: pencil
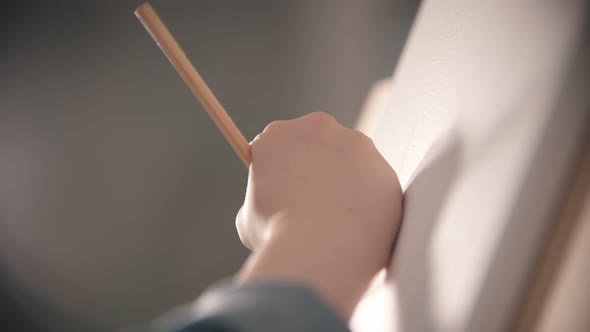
[(154, 25)]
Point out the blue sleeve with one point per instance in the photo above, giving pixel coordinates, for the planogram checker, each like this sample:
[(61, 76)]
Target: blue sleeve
[(256, 307)]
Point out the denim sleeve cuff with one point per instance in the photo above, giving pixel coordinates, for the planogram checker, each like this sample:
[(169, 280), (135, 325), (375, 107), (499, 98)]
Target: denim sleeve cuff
[(255, 307)]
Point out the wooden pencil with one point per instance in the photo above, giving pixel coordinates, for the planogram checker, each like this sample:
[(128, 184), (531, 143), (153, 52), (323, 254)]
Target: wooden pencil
[(154, 25)]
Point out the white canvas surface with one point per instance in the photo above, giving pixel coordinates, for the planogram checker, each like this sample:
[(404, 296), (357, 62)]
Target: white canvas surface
[(471, 121)]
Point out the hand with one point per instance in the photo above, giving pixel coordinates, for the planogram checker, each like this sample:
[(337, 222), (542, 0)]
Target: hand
[(322, 208)]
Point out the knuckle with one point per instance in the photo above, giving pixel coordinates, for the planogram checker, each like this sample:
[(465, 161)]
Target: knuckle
[(321, 118), (360, 137), (267, 136), (257, 141), (256, 138), (257, 144), (273, 126)]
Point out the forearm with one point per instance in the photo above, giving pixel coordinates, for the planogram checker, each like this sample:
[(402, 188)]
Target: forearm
[(338, 270)]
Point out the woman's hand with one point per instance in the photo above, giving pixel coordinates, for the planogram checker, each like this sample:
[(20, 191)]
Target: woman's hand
[(322, 208)]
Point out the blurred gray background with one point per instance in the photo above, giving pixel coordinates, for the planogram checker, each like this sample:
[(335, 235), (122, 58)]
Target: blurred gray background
[(117, 194)]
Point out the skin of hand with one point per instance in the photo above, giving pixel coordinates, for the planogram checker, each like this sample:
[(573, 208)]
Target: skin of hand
[(322, 209)]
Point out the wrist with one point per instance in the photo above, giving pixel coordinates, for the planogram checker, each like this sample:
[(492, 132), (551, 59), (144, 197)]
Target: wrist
[(338, 267)]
